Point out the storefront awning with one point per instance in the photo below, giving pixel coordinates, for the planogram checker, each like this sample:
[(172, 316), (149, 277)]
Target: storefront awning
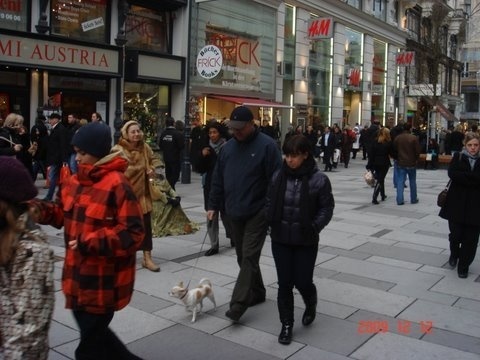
[(442, 109), (445, 112), (251, 102)]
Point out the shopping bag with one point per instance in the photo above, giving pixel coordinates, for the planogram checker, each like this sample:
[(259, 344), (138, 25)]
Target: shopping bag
[(65, 173), (369, 178), (336, 155), (429, 157)]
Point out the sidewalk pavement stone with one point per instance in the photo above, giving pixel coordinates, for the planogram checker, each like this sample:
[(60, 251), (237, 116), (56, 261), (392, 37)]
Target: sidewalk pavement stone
[(378, 266)]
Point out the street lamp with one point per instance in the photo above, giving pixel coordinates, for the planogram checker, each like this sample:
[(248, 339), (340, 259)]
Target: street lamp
[(186, 168)]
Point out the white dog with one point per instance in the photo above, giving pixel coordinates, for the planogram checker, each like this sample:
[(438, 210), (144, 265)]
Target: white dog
[(193, 299)]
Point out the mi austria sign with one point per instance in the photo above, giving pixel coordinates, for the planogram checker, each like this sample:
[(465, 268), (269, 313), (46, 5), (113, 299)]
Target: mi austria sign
[(52, 54)]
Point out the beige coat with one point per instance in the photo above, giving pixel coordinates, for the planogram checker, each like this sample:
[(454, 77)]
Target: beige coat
[(141, 161)]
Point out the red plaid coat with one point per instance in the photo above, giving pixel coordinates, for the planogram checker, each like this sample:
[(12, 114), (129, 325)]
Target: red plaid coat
[(98, 208)]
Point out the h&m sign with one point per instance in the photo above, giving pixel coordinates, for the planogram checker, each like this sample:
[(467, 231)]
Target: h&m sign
[(320, 28)]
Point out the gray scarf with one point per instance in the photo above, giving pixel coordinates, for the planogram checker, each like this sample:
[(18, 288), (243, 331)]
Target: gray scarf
[(472, 159)]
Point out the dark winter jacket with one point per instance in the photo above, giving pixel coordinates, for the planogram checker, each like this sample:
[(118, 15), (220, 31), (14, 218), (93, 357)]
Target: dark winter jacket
[(242, 174), (58, 147), (379, 155), (171, 142), (6, 147), (463, 198), (406, 149), (321, 204)]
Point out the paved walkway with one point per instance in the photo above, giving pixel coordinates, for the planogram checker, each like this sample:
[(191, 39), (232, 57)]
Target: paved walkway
[(385, 289)]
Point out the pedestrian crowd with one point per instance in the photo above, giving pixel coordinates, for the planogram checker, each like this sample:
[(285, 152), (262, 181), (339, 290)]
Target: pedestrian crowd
[(116, 199)]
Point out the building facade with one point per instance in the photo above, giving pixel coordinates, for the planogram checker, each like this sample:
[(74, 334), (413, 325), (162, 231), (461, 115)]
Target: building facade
[(298, 62)]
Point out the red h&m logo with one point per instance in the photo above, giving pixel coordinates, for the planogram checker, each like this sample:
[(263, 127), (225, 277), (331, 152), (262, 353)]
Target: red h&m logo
[(321, 28), (406, 58), (354, 77)]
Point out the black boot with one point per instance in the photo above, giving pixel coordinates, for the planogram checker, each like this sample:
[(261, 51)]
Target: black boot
[(285, 310), (285, 336), (310, 308), (376, 191)]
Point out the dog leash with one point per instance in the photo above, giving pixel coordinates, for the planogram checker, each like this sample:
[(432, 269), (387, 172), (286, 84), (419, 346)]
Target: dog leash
[(209, 223)]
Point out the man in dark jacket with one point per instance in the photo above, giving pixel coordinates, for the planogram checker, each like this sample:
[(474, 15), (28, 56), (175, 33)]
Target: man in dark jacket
[(406, 151), (240, 180), (171, 142), (58, 150), (328, 147)]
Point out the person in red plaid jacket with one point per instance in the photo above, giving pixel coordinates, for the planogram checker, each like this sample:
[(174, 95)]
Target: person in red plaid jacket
[(104, 228)]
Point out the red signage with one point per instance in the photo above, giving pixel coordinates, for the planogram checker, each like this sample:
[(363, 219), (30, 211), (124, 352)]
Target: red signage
[(37, 52), (354, 77), (321, 28), (405, 58)]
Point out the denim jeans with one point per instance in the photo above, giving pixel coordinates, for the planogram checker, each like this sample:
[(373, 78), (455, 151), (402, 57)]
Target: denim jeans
[(403, 172), (72, 163), (53, 174)]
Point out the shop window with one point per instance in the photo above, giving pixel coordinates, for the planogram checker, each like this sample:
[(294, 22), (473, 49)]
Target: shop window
[(14, 15), (243, 32), (148, 104), (353, 59), (413, 23), (357, 4), (379, 9), (86, 20), (319, 68), (148, 29)]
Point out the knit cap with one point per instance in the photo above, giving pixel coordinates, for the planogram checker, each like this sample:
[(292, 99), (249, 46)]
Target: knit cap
[(94, 138), (16, 184)]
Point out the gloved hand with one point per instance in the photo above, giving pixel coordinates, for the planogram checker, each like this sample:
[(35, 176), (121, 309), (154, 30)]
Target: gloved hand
[(174, 201)]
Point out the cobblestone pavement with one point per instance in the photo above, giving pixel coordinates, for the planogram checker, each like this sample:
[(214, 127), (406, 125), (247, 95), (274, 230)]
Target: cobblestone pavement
[(384, 285)]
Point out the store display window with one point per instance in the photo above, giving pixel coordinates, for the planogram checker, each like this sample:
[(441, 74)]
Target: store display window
[(86, 20)]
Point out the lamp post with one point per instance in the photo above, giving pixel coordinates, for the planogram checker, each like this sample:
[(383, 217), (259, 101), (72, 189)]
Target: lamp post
[(120, 40), (186, 168)]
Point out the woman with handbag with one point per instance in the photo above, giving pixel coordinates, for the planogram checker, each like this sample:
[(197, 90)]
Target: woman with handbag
[(379, 162), (462, 204), (141, 168)]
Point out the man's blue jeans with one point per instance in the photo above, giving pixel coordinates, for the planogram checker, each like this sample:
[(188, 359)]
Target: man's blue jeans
[(53, 174), (395, 173), (403, 172)]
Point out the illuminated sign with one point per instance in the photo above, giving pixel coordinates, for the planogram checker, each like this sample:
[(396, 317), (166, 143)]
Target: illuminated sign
[(405, 58), (321, 28)]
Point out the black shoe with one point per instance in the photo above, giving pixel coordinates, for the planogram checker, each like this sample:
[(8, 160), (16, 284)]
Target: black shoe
[(233, 316), (415, 201), (375, 202), (309, 314), (384, 197), (285, 336), (400, 203), (211, 251), (452, 261), (463, 274), (235, 312)]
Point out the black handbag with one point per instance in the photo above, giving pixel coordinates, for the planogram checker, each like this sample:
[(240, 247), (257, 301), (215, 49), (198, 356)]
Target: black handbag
[(442, 197)]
